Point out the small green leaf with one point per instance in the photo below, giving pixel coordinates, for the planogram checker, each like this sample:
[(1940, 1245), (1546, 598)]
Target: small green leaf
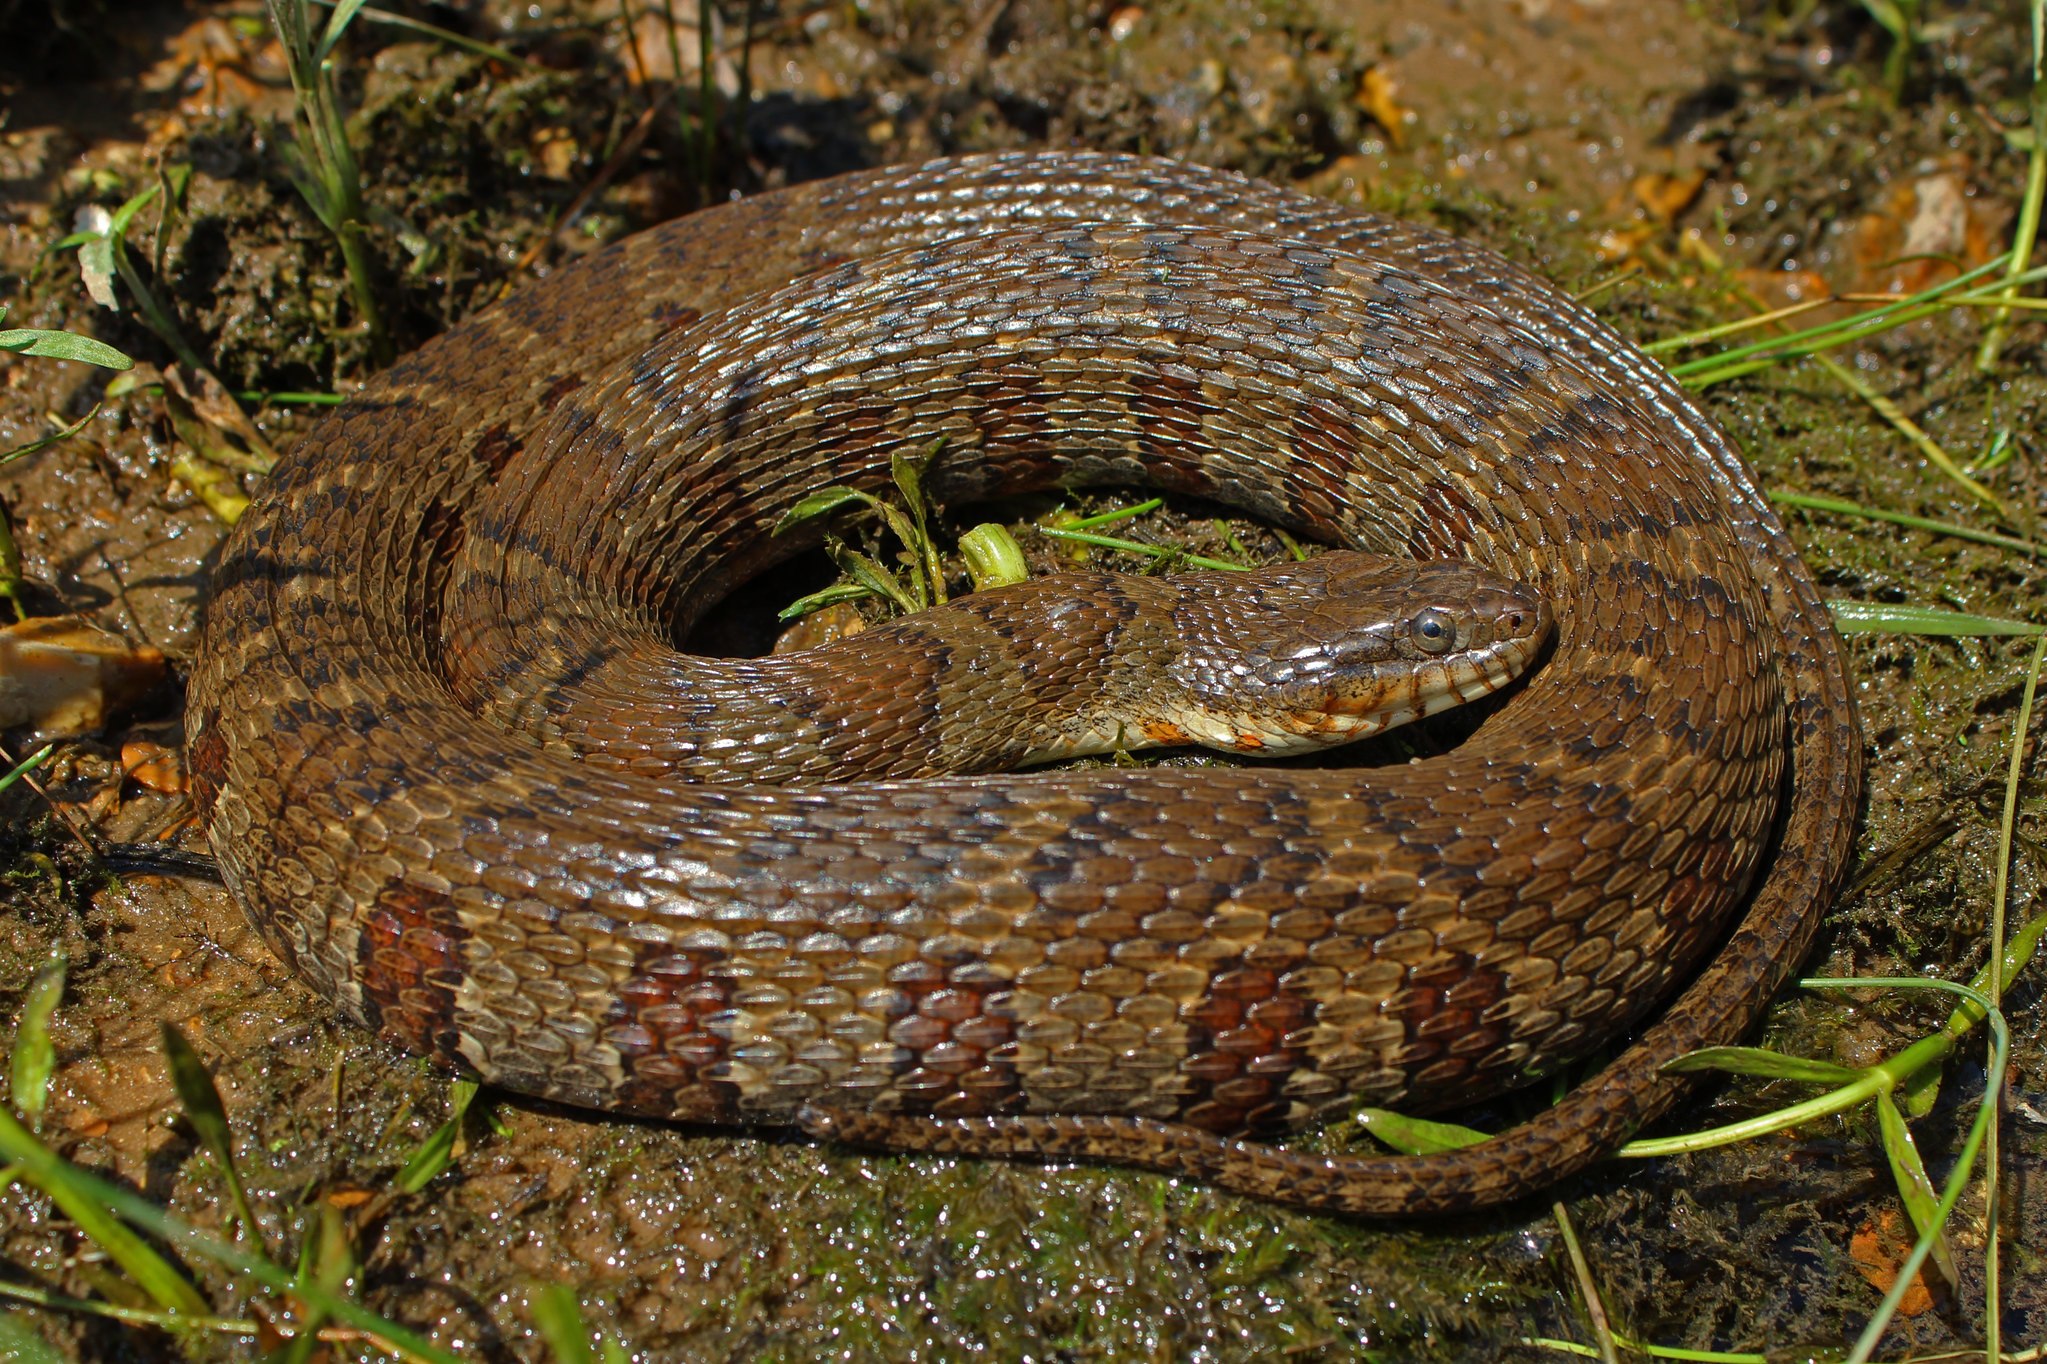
[(35, 1057), (437, 1152), (1417, 1136), (1886, 13), (54, 345), (1921, 1088), (1769, 1065), (1875, 618), (117, 226), (176, 179), (874, 577), (994, 559), (820, 599), (820, 503), (900, 525), (559, 1319), (200, 1098), (908, 473), (337, 24), (1915, 1186)]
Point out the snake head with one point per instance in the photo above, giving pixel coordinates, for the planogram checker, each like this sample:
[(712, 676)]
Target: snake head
[(1303, 656)]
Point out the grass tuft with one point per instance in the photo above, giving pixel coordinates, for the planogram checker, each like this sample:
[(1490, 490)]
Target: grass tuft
[(323, 161)]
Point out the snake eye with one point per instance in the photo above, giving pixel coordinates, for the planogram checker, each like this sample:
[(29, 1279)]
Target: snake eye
[(1433, 631)]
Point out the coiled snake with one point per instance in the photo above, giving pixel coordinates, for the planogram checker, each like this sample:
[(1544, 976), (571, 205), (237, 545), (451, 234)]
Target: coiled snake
[(1148, 965)]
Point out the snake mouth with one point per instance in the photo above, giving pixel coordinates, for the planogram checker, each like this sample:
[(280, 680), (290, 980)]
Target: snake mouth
[(1525, 633)]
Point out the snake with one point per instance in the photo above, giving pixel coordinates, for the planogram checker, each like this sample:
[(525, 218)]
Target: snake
[(462, 771)]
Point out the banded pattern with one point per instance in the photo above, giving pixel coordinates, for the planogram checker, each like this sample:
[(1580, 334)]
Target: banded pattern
[(1154, 966)]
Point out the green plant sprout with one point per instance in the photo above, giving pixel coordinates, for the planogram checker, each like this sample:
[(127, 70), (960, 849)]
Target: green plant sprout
[(920, 584), (323, 162)]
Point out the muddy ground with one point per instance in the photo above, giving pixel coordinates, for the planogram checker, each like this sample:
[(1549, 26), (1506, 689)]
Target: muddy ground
[(1708, 148)]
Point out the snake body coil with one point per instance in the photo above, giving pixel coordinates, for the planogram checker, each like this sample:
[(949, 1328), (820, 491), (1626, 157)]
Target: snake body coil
[(440, 635)]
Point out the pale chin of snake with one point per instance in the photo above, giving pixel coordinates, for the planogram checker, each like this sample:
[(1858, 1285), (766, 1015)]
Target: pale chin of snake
[(432, 720)]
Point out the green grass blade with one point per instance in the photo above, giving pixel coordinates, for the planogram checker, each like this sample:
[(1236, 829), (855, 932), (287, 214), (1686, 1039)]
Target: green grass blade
[(1915, 1186), (1763, 1063), (1994, 971), (2026, 231), (1068, 521), (1762, 1125), (1417, 1136), (113, 1311), (1773, 350), (1878, 618), (45, 442), (200, 1098), (325, 1264), (125, 214), (1912, 431), (1685, 340), (1158, 552), (1958, 1178), (1841, 507), (85, 1200), (1572, 1347), (27, 765), (290, 397), (1588, 1287), (35, 1057), (371, 15), (1921, 1089), (338, 19), (36, 1160), (559, 1319), (437, 1152)]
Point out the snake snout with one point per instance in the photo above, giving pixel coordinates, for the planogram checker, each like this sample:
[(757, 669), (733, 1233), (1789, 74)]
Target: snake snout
[(1510, 613)]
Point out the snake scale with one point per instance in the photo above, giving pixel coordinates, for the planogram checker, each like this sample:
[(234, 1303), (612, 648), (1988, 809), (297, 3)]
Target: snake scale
[(1157, 966)]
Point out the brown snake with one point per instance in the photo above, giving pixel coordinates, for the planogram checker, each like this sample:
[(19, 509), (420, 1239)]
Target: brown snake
[(1146, 965)]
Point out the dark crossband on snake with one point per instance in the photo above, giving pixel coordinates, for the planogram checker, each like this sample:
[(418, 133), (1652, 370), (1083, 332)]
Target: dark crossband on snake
[(464, 780)]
